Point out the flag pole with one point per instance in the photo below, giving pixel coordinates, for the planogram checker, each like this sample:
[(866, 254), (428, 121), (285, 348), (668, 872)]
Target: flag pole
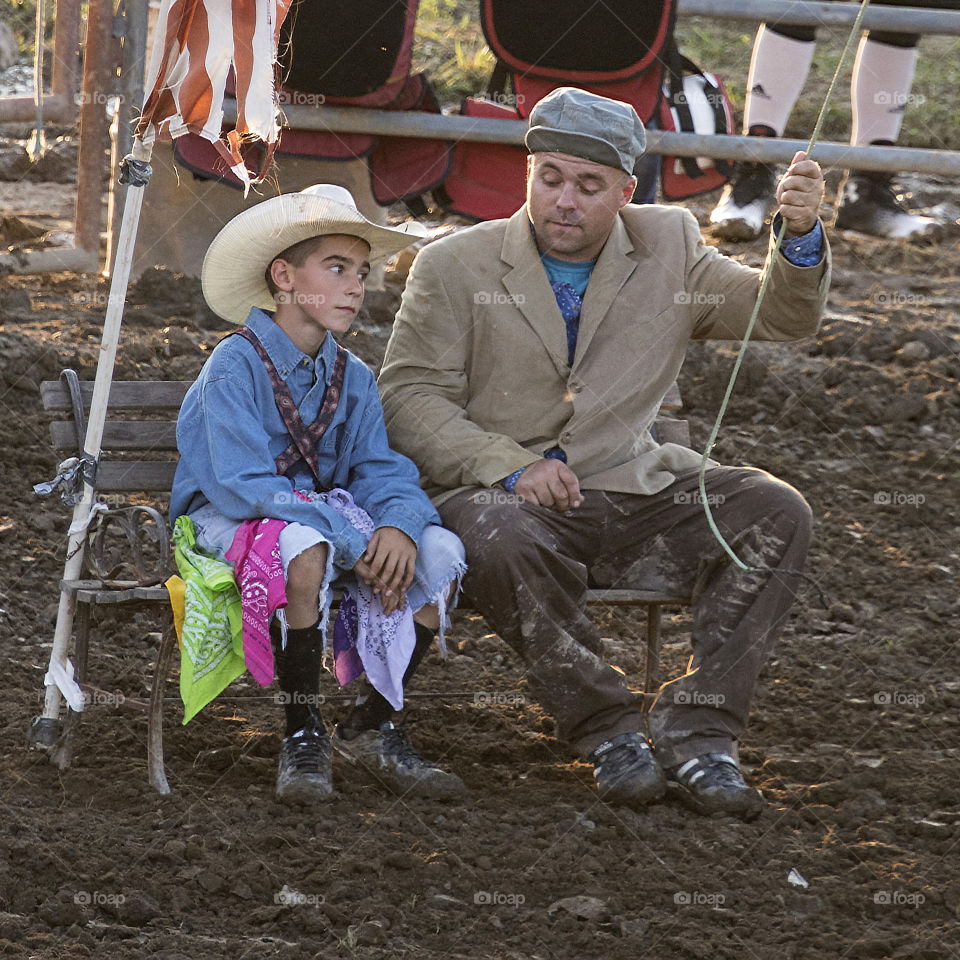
[(44, 731)]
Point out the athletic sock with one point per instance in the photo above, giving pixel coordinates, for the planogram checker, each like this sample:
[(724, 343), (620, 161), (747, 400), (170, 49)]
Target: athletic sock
[(298, 675), (880, 90), (375, 708), (778, 70)]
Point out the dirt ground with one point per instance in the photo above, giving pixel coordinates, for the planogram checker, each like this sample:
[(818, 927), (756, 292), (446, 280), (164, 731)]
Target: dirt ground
[(853, 740)]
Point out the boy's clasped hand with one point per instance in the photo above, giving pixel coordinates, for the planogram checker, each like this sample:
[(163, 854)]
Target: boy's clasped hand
[(387, 566)]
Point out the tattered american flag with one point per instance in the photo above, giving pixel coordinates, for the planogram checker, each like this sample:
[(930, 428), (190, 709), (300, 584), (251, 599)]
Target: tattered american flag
[(195, 45)]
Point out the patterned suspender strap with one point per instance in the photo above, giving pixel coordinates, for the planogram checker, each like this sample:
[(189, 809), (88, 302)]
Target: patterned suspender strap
[(306, 440)]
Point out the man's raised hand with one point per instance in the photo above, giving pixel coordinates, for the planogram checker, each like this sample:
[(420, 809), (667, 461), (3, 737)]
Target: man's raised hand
[(549, 483), (799, 193)]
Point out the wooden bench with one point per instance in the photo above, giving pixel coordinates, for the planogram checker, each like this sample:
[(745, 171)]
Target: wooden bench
[(139, 456)]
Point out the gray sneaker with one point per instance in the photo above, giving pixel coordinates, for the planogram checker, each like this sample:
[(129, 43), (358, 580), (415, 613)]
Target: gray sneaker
[(626, 771), (386, 756), (305, 764), (713, 784)]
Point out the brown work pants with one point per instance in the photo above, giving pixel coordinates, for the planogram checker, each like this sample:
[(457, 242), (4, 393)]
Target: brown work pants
[(530, 568)]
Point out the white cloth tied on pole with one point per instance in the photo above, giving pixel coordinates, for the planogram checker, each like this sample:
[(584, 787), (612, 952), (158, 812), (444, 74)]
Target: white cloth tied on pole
[(60, 675)]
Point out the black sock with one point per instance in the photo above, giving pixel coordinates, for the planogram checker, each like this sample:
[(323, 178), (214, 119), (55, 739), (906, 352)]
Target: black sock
[(376, 708), (298, 674)]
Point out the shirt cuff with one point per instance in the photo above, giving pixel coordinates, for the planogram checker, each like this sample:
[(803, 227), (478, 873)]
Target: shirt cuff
[(508, 483), (805, 250)]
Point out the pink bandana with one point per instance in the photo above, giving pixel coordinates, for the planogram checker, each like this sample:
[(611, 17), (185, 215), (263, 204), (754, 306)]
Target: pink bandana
[(255, 551)]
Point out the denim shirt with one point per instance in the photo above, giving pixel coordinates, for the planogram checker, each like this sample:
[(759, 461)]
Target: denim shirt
[(229, 431)]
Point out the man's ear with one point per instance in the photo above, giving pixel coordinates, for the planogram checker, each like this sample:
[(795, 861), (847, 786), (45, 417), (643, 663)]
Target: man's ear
[(281, 272), (628, 190)]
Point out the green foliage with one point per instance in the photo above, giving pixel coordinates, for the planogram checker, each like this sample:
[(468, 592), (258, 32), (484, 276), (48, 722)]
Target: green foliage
[(449, 45)]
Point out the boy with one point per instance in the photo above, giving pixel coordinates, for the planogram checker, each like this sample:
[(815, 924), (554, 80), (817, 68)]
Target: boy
[(283, 423)]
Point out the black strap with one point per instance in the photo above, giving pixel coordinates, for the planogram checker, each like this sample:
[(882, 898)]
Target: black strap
[(306, 440)]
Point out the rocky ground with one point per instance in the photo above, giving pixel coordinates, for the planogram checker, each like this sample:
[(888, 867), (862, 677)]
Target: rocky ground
[(854, 737)]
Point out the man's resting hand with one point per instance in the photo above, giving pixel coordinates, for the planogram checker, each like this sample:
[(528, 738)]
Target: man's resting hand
[(799, 193), (549, 483)]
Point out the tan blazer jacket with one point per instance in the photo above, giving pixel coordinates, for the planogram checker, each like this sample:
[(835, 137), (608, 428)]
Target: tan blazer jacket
[(475, 382)]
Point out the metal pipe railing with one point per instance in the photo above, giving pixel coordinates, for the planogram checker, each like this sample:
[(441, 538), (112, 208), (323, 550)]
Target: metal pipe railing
[(510, 132), (810, 14)]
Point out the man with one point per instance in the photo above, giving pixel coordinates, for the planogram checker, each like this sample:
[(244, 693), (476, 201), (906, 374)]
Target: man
[(532, 354)]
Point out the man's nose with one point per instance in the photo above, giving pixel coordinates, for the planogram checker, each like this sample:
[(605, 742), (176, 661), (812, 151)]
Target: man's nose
[(567, 196)]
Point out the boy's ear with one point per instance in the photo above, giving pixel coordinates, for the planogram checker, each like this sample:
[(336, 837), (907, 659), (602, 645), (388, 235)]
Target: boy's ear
[(281, 274)]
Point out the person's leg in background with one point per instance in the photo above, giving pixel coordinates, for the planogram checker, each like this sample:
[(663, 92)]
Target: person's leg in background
[(778, 70), (880, 87)]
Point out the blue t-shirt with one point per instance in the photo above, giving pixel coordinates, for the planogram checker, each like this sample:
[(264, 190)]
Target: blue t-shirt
[(575, 272)]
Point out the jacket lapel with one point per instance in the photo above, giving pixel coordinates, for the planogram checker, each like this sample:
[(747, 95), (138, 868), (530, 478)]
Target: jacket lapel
[(612, 271), (527, 284)]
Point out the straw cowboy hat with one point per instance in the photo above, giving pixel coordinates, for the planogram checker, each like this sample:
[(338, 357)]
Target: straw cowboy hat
[(233, 269)]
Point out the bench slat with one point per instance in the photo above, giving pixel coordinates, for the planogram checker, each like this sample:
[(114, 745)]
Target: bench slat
[(147, 475), (124, 394), (87, 590), (121, 435), (631, 597)]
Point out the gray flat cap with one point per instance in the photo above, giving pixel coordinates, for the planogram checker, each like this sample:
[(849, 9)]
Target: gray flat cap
[(582, 124)]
